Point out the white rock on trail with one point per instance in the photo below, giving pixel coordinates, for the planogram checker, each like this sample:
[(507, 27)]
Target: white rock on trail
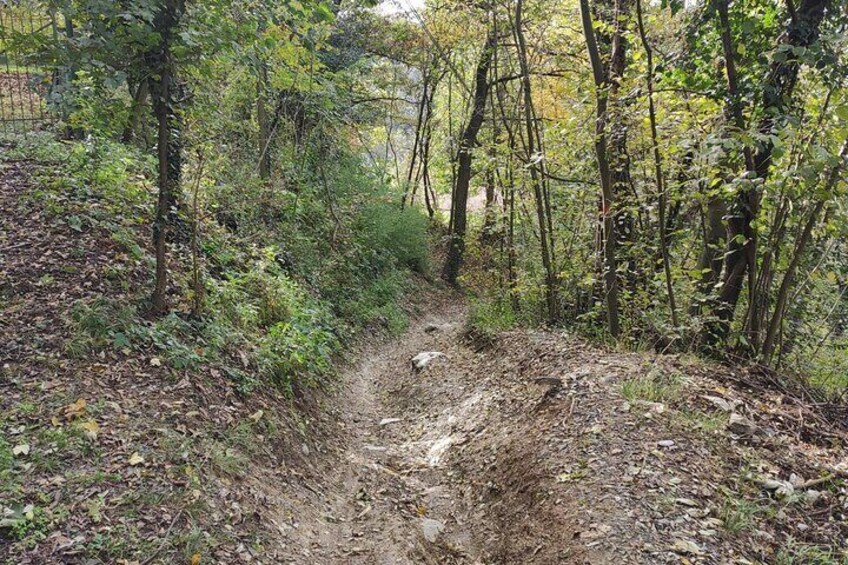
[(431, 529), (423, 359)]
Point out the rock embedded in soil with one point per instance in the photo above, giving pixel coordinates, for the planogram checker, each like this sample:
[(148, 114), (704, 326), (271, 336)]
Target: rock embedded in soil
[(741, 425), (431, 529), (423, 359)]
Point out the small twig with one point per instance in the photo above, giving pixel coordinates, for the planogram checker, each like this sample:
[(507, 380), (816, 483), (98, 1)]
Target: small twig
[(164, 537)]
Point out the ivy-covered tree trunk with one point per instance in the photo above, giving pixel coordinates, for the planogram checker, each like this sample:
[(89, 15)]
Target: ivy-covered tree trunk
[(459, 204), (169, 143)]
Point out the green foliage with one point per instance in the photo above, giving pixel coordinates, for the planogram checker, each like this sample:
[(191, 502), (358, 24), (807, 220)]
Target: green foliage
[(491, 317), (293, 330), (738, 514), (98, 324), (795, 552), (402, 235)]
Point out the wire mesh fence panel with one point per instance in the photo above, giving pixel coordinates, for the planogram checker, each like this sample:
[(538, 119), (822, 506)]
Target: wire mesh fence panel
[(24, 87)]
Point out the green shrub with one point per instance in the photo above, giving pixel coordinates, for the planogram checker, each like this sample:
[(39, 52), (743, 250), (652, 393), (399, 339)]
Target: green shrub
[(491, 317), (402, 234), (298, 352), (98, 324)]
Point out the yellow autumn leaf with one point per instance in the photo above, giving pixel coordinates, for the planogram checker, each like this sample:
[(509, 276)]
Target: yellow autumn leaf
[(90, 428), (136, 459), (76, 409), (195, 559)]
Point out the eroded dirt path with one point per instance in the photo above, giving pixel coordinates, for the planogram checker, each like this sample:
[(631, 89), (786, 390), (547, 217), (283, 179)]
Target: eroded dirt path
[(388, 498), (526, 449)]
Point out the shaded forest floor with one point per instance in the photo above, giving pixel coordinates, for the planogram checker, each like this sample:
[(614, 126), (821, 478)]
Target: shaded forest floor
[(524, 447)]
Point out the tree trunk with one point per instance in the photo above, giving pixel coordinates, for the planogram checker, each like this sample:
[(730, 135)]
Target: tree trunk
[(169, 145), (800, 248), (542, 211), (661, 195), (777, 89), (459, 203), (136, 110), (711, 259), (607, 217), (264, 124)]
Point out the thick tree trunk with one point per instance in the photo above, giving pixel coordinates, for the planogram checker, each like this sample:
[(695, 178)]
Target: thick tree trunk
[(169, 146), (459, 204), (136, 110), (711, 259), (777, 89), (618, 155)]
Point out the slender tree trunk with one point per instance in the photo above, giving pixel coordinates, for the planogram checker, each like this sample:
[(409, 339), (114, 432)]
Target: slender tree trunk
[(536, 181), (791, 269), (658, 172), (459, 204), (419, 128), (264, 124), (607, 217)]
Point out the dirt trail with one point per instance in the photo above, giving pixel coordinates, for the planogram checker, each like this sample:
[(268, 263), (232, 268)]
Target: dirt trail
[(388, 499)]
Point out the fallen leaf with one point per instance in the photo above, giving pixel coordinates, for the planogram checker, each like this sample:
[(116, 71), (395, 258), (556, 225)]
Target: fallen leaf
[(195, 559), (686, 546), (76, 409), (136, 459), (155, 362), (90, 429), (256, 416), (22, 449)]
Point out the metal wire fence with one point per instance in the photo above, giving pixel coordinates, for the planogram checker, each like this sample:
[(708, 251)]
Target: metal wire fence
[(24, 87)]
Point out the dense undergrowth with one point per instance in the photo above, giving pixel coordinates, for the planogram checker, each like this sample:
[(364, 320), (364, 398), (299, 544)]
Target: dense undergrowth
[(284, 286)]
